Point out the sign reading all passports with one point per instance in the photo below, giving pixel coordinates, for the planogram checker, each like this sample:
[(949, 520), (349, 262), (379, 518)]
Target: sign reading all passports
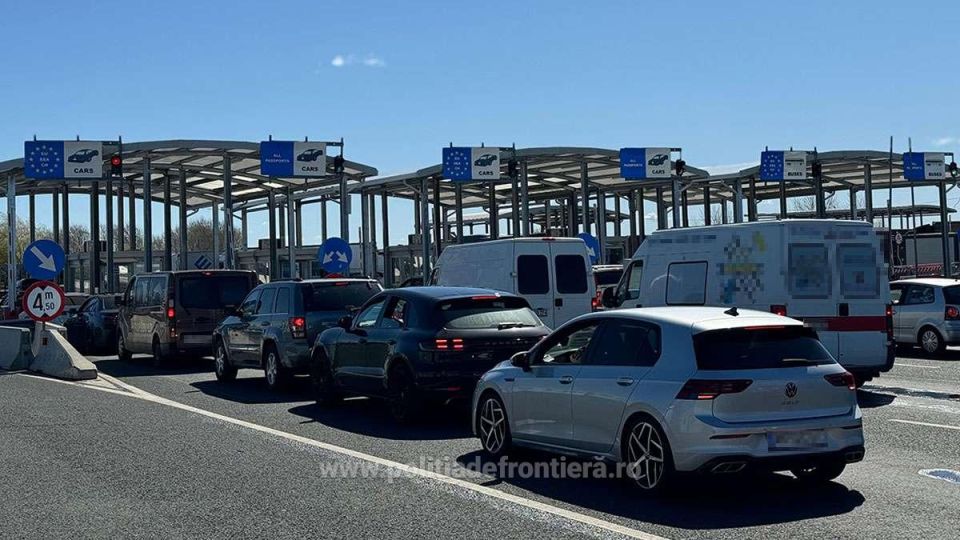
[(645, 163), (293, 158), (56, 160), (778, 165)]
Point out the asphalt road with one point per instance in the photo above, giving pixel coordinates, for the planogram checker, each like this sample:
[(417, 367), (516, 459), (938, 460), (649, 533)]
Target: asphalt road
[(96, 463)]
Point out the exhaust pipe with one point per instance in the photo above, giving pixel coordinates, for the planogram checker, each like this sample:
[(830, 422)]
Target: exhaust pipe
[(853, 456), (728, 467)]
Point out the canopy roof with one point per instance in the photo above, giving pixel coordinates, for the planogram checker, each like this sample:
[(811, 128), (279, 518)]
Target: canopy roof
[(203, 163)]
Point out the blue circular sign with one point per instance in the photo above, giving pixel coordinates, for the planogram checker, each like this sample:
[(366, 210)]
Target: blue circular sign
[(593, 246), (335, 255), (44, 259)]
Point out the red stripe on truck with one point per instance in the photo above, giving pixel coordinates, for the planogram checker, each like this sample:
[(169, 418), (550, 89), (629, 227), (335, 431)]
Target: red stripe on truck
[(847, 324)]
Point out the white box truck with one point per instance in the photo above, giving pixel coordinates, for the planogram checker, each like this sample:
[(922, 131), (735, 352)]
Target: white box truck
[(553, 274), (829, 274)]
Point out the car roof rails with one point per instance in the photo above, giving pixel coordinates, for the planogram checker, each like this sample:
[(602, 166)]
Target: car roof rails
[(286, 279)]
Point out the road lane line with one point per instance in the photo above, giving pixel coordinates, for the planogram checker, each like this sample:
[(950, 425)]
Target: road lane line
[(916, 366), (545, 508), (928, 424)]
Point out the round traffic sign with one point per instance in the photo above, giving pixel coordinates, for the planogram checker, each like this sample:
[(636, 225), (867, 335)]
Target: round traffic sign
[(593, 246), (335, 255), (44, 301), (44, 259)]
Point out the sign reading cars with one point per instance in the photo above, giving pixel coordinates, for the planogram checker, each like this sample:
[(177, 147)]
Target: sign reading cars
[(924, 166), (645, 163), (293, 158), (56, 160), (465, 164), (44, 301)]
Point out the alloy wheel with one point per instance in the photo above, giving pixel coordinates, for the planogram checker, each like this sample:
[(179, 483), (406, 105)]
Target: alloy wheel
[(270, 368), (645, 455), (220, 361), (930, 341), (493, 426)]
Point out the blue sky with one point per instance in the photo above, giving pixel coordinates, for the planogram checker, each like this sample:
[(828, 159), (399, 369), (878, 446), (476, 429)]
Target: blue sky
[(398, 80)]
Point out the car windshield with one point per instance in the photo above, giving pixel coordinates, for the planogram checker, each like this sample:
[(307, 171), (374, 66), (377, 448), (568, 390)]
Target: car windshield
[(338, 296), (213, 291), (764, 347), (482, 313)]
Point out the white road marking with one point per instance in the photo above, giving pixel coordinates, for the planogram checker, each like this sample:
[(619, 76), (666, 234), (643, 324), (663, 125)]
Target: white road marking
[(916, 366), (928, 424), (408, 469)]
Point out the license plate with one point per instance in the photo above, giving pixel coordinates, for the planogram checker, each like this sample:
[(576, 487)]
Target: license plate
[(796, 440), (198, 340)]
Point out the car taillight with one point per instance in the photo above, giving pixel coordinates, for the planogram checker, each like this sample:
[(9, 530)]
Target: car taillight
[(700, 389), (842, 379), (951, 313), (889, 314), (779, 309), (298, 327), (595, 303), (452, 344), (171, 313)]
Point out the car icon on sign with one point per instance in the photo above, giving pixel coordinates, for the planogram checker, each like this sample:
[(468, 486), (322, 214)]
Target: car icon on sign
[(485, 160), (658, 159), (310, 155), (83, 156)]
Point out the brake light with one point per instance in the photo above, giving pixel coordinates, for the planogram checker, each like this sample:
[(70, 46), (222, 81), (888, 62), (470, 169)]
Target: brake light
[(779, 309), (951, 313), (485, 297), (594, 303), (171, 313), (842, 379), (441, 344), (703, 389), (298, 327), (890, 322), (341, 284), (453, 344), (781, 327)]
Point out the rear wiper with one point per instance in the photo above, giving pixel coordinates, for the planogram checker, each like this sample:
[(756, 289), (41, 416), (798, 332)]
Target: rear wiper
[(505, 325), (801, 361)]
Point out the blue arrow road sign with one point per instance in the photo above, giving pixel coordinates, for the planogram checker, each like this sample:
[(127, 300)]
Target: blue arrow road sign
[(593, 246), (44, 259), (335, 255)]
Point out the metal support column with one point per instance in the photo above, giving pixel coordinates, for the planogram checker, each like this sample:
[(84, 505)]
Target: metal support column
[(293, 271), (821, 203), (215, 213), (685, 204), (783, 200), (147, 217), (272, 227), (853, 203), (55, 202), (167, 225), (323, 218), (11, 242), (32, 208), (344, 209), (602, 223), (365, 226), (572, 216), (617, 222), (298, 211), (723, 212), (675, 199), (133, 216), (494, 220), (94, 238), (584, 198), (547, 218), (385, 218), (944, 230), (121, 241), (752, 202), (373, 232), (425, 228), (632, 210), (458, 218), (515, 206), (282, 217), (244, 236), (738, 201), (111, 246), (527, 229), (416, 213), (437, 226), (868, 193), (707, 206), (67, 272), (228, 248), (642, 219), (182, 249), (661, 211)]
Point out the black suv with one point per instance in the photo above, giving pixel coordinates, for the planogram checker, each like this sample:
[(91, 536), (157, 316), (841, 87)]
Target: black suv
[(421, 344)]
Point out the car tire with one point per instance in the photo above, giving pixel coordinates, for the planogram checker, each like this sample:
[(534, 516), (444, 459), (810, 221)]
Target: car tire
[(123, 354), (404, 400), (646, 456), (325, 390), (274, 372), (222, 368), (159, 359), (493, 426), (931, 342), (823, 472)]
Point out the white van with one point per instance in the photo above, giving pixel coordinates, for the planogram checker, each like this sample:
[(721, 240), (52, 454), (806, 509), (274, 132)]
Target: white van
[(553, 274), (828, 273)]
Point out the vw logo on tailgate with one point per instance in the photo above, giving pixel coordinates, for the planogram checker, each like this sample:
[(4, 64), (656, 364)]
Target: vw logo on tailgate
[(790, 390)]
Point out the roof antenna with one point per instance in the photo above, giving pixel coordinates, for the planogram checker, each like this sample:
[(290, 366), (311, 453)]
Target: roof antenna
[(732, 312)]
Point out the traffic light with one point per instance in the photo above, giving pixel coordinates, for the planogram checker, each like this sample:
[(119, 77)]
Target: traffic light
[(953, 169), (116, 165), (679, 166), (816, 169), (338, 164), (513, 168)]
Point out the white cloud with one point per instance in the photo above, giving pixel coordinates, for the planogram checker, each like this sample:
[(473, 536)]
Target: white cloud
[(373, 61), (338, 61), (346, 60), (946, 141)]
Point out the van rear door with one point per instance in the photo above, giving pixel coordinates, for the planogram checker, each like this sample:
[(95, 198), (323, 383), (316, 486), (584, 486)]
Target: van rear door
[(535, 278), (203, 299), (574, 289), (862, 308), (811, 291)]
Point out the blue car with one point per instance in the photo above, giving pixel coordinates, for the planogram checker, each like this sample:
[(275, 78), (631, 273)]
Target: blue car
[(658, 159), (83, 156), (485, 160), (310, 155)]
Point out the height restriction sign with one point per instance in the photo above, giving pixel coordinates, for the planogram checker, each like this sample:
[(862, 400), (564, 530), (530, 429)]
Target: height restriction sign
[(43, 301)]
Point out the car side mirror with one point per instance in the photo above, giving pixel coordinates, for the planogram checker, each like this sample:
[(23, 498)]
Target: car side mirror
[(345, 322), (609, 297), (521, 360)]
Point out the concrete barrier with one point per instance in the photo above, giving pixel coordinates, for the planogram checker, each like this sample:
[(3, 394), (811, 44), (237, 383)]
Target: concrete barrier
[(15, 349), (53, 355)]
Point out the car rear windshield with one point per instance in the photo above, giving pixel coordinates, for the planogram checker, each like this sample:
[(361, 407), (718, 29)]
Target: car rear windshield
[(477, 313), (951, 295), (213, 292), (338, 296), (759, 348), (608, 277)]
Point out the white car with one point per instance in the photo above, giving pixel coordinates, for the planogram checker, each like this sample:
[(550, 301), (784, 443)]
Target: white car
[(677, 389)]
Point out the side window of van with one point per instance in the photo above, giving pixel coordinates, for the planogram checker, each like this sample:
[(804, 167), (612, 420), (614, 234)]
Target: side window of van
[(687, 284), (158, 291), (808, 271), (140, 294), (634, 279), (571, 274), (857, 264), (532, 274)]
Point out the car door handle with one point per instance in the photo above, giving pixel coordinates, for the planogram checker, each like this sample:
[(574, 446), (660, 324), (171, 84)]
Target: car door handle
[(625, 381), (265, 323), (566, 379)]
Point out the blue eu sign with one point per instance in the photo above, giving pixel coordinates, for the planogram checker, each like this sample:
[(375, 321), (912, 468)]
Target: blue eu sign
[(43, 159), (456, 163), (276, 158), (335, 255)]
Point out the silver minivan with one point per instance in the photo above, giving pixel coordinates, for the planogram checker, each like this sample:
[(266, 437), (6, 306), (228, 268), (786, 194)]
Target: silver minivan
[(926, 312)]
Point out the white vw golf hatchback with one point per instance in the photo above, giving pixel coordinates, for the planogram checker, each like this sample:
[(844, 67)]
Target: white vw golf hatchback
[(677, 389)]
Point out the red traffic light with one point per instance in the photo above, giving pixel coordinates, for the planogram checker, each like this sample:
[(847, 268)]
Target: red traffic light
[(116, 161)]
